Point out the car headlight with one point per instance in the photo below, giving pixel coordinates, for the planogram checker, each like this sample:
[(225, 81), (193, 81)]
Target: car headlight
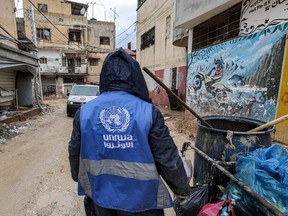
[(70, 102)]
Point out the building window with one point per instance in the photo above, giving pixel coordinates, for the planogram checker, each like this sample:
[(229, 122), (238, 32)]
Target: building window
[(43, 34), (168, 26), (64, 62), (42, 7), (94, 61), (148, 39), (48, 90), (43, 60), (78, 62), (222, 27), (104, 41), (73, 79), (174, 79), (74, 35)]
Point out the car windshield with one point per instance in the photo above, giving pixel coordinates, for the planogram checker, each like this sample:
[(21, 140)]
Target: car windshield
[(85, 90)]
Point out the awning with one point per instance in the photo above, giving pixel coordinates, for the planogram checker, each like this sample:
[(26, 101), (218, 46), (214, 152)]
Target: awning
[(14, 59), (9, 64)]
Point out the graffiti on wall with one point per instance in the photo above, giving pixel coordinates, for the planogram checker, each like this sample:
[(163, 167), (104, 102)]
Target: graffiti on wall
[(274, 11), (238, 77)]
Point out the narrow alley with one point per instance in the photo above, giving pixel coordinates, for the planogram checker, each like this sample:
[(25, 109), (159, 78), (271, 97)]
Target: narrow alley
[(35, 174)]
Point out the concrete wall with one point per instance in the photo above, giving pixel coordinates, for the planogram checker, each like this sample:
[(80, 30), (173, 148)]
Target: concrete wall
[(254, 68), (94, 71), (8, 21), (96, 29), (60, 7), (54, 61), (158, 94), (60, 15), (191, 13), (162, 56)]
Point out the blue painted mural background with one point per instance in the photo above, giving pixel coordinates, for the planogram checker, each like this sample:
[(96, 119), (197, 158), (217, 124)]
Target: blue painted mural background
[(238, 77)]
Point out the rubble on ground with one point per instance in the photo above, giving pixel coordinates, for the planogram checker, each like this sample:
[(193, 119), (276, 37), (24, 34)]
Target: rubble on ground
[(46, 109), (6, 114), (8, 131)]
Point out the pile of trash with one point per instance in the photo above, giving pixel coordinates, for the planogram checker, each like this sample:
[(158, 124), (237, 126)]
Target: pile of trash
[(8, 131), (4, 114), (265, 171), (46, 109), (259, 187)]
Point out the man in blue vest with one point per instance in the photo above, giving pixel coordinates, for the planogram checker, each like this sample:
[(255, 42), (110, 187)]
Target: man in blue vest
[(120, 146)]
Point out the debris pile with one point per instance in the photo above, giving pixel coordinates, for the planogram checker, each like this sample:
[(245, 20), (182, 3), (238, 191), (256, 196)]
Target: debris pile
[(46, 109), (6, 114), (8, 131)]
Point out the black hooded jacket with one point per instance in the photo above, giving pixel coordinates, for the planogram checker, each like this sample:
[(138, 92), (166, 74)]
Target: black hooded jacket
[(120, 72)]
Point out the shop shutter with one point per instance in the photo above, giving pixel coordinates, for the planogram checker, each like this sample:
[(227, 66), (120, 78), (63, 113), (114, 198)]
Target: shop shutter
[(7, 80)]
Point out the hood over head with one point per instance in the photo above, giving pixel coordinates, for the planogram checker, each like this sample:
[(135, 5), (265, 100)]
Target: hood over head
[(120, 72)]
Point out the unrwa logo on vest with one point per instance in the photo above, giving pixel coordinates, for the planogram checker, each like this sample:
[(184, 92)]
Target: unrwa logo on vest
[(115, 119)]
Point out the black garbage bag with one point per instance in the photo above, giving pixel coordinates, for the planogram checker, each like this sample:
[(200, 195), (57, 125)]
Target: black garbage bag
[(198, 198)]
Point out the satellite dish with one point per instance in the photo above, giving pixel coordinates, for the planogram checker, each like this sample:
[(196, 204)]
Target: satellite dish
[(82, 11)]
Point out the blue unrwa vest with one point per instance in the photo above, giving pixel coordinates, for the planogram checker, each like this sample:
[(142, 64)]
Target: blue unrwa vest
[(117, 168)]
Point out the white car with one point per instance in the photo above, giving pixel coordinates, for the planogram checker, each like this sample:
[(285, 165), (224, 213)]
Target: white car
[(79, 95)]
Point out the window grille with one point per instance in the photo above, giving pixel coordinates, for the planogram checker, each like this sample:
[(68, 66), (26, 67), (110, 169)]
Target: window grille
[(64, 62), (43, 60), (217, 29), (74, 35), (42, 7), (78, 62), (148, 39), (73, 79), (168, 26), (174, 79), (48, 90), (43, 34), (94, 61)]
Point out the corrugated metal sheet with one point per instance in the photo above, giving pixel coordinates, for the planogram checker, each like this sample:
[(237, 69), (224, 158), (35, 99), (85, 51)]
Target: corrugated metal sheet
[(7, 80)]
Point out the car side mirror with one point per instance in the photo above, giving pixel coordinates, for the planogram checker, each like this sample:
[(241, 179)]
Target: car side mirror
[(68, 94)]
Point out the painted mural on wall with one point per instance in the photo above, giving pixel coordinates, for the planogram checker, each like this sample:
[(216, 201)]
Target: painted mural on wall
[(273, 12), (239, 77)]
